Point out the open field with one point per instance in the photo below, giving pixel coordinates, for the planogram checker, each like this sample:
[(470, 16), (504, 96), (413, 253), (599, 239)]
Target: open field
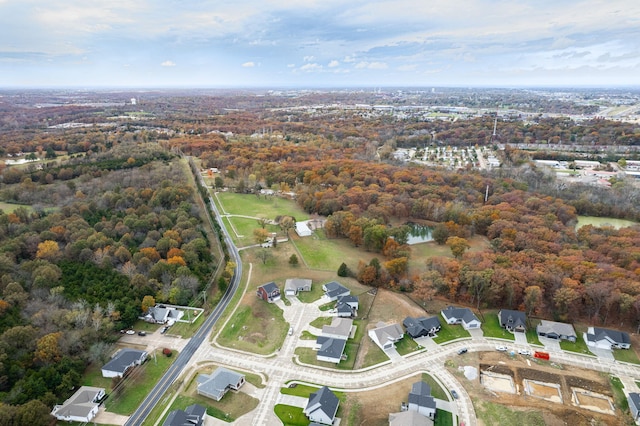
[(603, 221), (260, 206)]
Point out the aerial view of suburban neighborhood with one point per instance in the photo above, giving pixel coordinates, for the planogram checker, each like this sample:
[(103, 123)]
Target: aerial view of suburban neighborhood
[(364, 213)]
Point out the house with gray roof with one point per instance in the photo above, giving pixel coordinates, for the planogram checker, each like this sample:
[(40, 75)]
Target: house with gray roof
[(513, 321), (333, 290), (634, 405), (420, 400), (122, 361), (463, 316), (322, 406), (81, 407), (605, 338), (218, 383), (340, 328), (556, 330), (386, 335), (163, 314), (293, 286), (347, 306), (330, 349), (193, 415), (422, 326), (269, 292)]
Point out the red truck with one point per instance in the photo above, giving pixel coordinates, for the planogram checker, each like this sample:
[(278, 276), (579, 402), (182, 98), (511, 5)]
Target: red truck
[(541, 355)]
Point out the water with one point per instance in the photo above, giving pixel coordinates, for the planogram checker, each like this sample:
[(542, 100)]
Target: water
[(419, 233)]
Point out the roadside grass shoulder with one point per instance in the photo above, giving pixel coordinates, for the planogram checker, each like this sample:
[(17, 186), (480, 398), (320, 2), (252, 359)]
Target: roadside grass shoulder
[(436, 390), (618, 393), (532, 333), (491, 326), (450, 332), (626, 355)]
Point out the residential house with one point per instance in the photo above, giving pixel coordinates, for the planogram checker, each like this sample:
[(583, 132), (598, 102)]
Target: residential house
[(462, 316), (81, 407), (340, 328), (347, 306), (333, 290), (409, 418), (556, 330), (605, 338), (293, 286), (322, 406), (330, 349), (269, 292), (122, 361), (193, 415), (302, 229), (513, 320), (423, 326), (386, 335), (218, 383), (420, 400), (162, 314), (634, 405)]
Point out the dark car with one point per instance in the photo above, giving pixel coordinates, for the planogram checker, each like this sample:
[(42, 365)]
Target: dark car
[(454, 394), (142, 333), (462, 351)]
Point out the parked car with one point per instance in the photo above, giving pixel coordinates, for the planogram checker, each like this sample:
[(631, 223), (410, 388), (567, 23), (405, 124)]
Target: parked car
[(131, 332), (290, 331), (454, 394), (501, 348), (525, 352), (164, 330), (462, 351), (142, 333)]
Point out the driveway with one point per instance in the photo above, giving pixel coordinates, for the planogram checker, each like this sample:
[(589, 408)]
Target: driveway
[(427, 342), (550, 345), (393, 355), (476, 333), (521, 338), (602, 353)]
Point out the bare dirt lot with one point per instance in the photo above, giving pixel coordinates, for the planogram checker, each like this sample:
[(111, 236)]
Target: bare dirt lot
[(552, 385)]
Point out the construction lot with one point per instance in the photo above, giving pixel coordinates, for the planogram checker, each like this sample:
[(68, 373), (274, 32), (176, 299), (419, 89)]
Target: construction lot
[(558, 394)]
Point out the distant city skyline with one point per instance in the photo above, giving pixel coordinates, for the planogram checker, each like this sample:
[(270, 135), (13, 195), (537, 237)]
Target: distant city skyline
[(313, 43)]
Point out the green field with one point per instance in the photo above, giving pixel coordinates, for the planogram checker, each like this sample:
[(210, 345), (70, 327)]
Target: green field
[(267, 207), (603, 221)]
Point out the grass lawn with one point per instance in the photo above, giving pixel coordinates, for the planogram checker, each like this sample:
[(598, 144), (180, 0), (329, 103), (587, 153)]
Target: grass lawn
[(491, 326), (245, 228), (290, 416), (498, 414), (450, 332), (443, 418), (268, 207), (10, 207), (320, 321), (259, 328), (320, 252), (186, 330), (407, 345), (138, 384), (436, 389), (313, 295), (618, 393), (307, 336), (579, 346), (422, 251), (93, 377), (626, 355), (374, 356), (532, 334)]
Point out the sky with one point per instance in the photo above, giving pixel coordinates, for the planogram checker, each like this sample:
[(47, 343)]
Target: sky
[(319, 43)]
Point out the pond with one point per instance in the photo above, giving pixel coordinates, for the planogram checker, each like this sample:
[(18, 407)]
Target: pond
[(419, 233), (603, 221)]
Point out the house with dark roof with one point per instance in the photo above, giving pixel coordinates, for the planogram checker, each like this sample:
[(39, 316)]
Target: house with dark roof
[(269, 292), (333, 290), (122, 361), (420, 400), (513, 321), (218, 383), (422, 326), (463, 316), (293, 286), (634, 405), (386, 335), (81, 407), (193, 415), (409, 418), (604, 338), (322, 406), (556, 330), (347, 306), (330, 349)]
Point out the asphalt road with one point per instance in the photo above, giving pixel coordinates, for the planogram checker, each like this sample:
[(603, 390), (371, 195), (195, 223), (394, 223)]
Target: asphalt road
[(184, 357)]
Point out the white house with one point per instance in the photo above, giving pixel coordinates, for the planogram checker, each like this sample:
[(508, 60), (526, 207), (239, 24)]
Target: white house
[(218, 383), (81, 407), (292, 286), (462, 316), (322, 406), (386, 335), (604, 338), (123, 360)]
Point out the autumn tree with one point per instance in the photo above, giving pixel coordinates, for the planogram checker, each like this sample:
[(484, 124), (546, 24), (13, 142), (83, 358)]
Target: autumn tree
[(48, 348), (148, 302), (532, 298), (458, 246), (48, 250), (261, 235)]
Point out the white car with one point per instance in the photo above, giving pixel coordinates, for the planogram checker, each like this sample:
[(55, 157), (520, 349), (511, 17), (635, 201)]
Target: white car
[(130, 332), (290, 331), (525, 352), (501, 348)]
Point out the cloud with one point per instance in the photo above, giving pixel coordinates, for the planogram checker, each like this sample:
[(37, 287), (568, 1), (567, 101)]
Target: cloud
[(249, 64), (168, 64), (311, 67), (372, 65), (334, 64), (308, 58)]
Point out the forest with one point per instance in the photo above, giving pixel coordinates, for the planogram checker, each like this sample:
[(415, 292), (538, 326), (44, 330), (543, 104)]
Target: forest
[(104, 231), (109, 213)]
